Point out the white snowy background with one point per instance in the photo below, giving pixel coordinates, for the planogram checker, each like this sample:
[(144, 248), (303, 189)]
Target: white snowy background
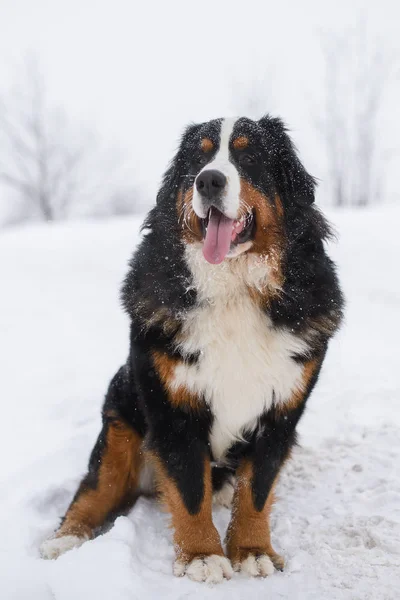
[(139, 73)]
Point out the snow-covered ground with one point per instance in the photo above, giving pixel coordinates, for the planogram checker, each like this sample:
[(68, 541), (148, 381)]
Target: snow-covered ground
[(62, 336)]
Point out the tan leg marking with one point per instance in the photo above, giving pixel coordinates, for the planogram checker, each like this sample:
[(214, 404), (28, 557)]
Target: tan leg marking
[(117, 482), (197, 543), (248, 538)]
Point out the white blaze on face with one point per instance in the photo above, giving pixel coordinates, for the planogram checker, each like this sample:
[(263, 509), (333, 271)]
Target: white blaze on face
[(221, 162)]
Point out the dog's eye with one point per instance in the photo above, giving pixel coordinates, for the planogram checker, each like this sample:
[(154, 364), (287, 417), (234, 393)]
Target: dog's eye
[(201, 160), (197, 163), (247, 159)]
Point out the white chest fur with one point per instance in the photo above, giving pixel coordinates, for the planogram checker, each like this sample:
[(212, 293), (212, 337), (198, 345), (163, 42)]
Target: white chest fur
[(245, 363)]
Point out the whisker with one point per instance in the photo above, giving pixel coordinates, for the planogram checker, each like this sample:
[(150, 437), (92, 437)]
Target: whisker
[(247, 207), (187, 213)]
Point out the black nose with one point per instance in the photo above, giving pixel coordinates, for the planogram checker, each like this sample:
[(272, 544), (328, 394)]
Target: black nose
[(210, 183)]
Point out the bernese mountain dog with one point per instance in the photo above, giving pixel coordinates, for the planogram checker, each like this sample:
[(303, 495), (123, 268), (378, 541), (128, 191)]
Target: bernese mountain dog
[(232, 301)]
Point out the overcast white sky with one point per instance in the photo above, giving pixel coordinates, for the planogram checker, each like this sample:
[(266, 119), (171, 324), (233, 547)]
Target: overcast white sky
[(139, 71)]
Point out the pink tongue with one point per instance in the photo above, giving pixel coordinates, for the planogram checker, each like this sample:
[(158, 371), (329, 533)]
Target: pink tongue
[(218, 237)]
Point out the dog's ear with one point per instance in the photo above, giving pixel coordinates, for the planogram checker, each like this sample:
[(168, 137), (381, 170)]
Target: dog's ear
[(294, 183), (173, 176)]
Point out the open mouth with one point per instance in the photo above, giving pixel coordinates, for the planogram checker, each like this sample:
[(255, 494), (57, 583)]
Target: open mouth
[(221, 233)]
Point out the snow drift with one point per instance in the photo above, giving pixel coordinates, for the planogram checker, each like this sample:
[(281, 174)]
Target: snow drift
[(63, 335)]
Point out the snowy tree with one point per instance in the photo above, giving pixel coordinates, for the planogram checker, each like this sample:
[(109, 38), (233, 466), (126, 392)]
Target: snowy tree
[(51, 166), (357, 71), (253, 96)]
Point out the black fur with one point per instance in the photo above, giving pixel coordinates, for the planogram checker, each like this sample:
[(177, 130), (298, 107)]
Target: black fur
[(178, 437), (158, 292)]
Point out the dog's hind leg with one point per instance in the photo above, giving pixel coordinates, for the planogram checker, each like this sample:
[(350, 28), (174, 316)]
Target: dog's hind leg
[(223, 483), (109, 487)]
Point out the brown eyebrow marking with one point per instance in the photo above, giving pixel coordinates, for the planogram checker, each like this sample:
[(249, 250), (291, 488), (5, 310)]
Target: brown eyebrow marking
[(241, 142), (207, 145)]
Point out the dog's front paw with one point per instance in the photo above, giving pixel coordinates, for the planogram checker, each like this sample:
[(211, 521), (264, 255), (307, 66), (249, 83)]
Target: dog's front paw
[(257, 564), (208, 568), (55, 546)]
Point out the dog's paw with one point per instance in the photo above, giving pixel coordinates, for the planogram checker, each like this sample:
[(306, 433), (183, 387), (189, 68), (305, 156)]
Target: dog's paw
[(255, 565), (210, 569), (55, 546), (224, 496)]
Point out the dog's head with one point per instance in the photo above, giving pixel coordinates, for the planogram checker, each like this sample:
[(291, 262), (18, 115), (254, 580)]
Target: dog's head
[(233, 182)]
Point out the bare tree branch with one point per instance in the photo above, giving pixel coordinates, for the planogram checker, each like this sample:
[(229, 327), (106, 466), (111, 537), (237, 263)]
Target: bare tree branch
[(51, 165), (16, 183), (357, 72)]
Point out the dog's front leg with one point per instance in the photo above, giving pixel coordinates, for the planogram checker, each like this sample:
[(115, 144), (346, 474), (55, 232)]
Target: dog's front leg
[(177, 443), (185, 483), (248, 539)]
